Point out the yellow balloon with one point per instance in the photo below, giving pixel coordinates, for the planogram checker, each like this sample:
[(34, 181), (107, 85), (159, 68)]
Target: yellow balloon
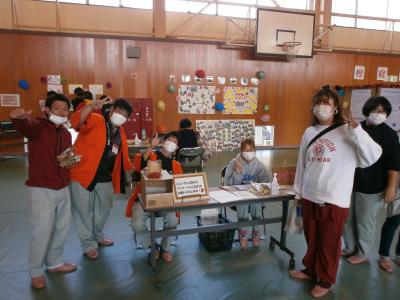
[(345, 104), (161, 105)]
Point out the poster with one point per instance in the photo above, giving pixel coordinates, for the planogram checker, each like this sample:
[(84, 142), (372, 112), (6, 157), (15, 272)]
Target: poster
[(382, 73), (393, 95), (10, 100), (225, 135), (194, 99), (53, 79), (58, 88), (221, 80), (240, 100), (358, 98), (359, 72), (96, 89), (72, 87)]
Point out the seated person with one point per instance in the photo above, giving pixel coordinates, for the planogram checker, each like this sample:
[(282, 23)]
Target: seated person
[(135, 210), (243, 169), (187, 136)]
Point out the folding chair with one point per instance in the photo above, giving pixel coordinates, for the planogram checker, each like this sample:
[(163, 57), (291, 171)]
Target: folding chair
[(191, 159)]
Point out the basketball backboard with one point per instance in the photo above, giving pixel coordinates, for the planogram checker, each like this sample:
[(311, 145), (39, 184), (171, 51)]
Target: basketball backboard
[(275, 27)]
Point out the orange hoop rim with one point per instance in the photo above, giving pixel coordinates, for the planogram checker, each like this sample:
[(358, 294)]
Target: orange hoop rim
[(290, 45)]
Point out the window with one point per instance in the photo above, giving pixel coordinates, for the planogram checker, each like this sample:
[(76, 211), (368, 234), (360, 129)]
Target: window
[(105, 2), (191, 6), (143, 4), (237, 11)]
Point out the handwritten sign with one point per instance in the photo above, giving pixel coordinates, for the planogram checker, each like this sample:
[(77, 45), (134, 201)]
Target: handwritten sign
[(190, 187)]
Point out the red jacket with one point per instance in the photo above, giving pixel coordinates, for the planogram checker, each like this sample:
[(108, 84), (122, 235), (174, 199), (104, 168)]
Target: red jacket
[(45, 142)]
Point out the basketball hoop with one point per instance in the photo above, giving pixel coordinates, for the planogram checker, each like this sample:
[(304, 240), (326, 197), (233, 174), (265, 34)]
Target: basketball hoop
[(291, 49)]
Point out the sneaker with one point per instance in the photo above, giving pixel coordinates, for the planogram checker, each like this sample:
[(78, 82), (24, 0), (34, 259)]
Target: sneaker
[(64, 268), (356, 260), (243, 242), (318, 291), (92, 254), (106, 242), (299, 275), (166, 256), (385, 265), (38, 282), (256, 239)]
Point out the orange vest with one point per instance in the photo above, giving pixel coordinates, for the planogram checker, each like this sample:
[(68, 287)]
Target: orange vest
[(176, 169), (90, 143)]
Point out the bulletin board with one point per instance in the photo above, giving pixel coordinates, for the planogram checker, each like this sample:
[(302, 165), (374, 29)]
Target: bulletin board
[(240, 100), (195, 99), (225, 135)]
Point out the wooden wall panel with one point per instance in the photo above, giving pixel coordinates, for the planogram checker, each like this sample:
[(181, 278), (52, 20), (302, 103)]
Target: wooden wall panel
[(288, 87)]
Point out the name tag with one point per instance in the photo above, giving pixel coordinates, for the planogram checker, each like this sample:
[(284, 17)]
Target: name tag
[(115, 149)]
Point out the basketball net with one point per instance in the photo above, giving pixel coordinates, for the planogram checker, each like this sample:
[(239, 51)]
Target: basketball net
[(291, 49)]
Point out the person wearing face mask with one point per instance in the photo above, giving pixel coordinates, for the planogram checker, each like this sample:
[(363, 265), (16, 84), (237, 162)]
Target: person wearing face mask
[(243, 169), (134, 209), (48, 186), (374, 186), (101, 142), (330, 151)]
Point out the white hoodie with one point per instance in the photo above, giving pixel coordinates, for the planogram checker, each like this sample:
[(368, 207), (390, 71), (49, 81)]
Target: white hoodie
[(325, 172)]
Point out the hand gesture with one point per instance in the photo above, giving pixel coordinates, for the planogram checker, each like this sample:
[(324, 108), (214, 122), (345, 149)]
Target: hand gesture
[(155, 141), (98, 104), (389, 195), (351, 121), (20, 113), (238, 165)]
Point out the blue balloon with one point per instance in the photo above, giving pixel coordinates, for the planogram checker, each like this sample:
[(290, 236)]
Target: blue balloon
[(219, 106), (23, 84), (341, 92)]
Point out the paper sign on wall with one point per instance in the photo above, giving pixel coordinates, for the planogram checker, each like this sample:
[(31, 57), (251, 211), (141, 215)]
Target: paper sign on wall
[(190, 187), (72, 87), (382, 73), (10, 100), (58, 88), (53, 79), (96, 89), (359, 72)]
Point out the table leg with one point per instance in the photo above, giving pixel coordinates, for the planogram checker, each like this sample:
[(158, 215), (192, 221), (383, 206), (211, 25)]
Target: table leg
[(153, 246)]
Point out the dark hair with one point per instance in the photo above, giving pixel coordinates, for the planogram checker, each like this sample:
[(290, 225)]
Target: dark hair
[(185, 123), (56, 97), (323, 95), (171, 134), (103, 97), (49, 93), (247, 141), (87, 95), (78, 91), (373, 102), (123, 104)]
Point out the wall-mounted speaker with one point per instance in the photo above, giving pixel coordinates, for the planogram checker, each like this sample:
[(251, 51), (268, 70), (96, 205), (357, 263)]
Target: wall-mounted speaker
[(132, 52)]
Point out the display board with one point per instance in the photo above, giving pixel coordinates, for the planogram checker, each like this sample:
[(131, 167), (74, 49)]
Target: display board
[(240, 100), (195, 99), (225, 135), (393, 95)]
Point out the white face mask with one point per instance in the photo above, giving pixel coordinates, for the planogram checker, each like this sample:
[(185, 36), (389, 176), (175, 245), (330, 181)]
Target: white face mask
[(323, 112), (57, 120), (249, 155), (170, 146), (377, 118), (118, 119)]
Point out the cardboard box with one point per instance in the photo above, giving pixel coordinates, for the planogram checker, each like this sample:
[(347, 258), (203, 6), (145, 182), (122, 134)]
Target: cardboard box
[(157, 192)]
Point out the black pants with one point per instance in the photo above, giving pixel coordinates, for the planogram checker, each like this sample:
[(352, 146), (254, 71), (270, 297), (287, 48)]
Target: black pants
[(387, 234)]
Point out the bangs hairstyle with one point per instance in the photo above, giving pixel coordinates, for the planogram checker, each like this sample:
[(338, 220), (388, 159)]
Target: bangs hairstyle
[(56, 97), (185, 123), (172, 134), (373, 102), (323, 96), (245, 142), (123, 104)]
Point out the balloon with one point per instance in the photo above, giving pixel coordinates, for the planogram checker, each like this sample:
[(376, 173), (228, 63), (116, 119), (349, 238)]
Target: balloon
[(265, 118), (171, 88), (260, 75), (161, 105), (23, 84), (109, 85), (161, 128), (219, 106), (266, 107), (345, 104), (341, 92), (43, 79), (200, 73)]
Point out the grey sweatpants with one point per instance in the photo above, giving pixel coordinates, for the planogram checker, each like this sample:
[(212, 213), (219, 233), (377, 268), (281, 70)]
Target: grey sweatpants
[(90, 211), (243, 215), (50, 217), (359, 230)]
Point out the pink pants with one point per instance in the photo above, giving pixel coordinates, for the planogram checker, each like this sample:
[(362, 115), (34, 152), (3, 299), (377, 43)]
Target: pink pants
[(323, 227)]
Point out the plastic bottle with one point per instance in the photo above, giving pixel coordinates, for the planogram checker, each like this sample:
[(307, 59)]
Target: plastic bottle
[(275, 185), (144, 134)]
